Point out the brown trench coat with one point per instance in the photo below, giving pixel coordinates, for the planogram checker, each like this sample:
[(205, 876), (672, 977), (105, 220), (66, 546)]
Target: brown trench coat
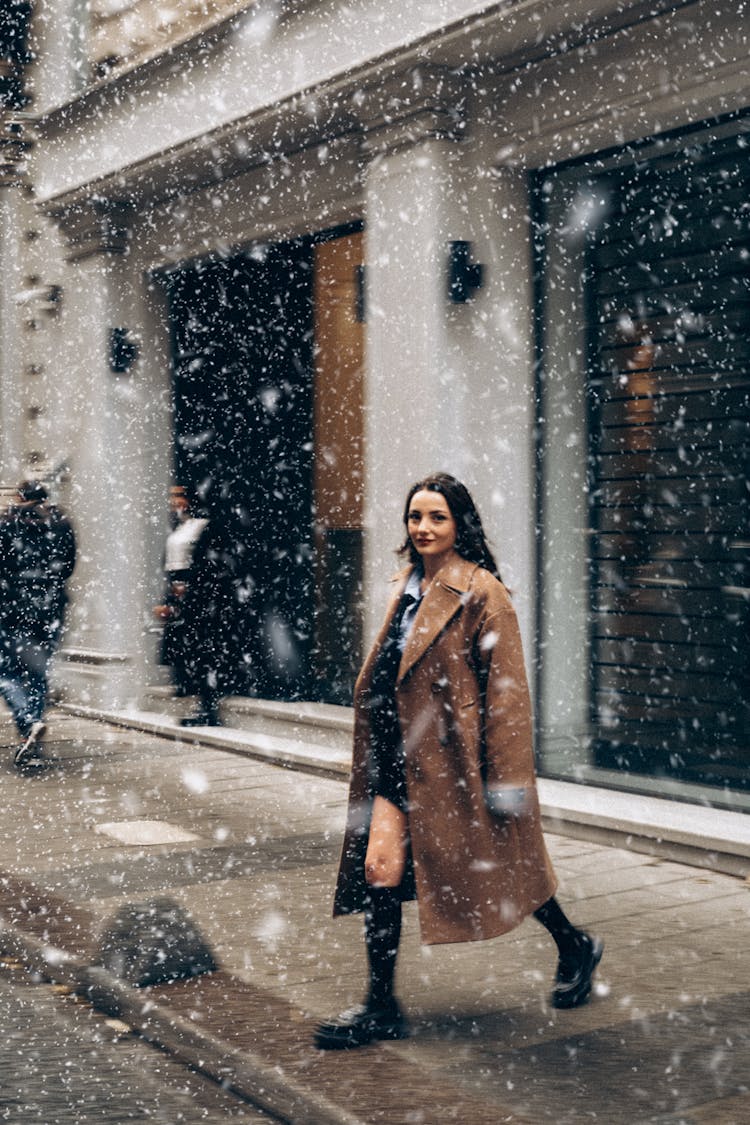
[(475, 874)]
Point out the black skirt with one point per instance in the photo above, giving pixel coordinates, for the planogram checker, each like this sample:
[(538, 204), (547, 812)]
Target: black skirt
[(386, 765)]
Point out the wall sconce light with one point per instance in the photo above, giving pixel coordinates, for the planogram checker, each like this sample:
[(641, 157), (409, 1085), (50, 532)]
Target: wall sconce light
[(464, 276), (123, 350), (50, 302), (41, 298)]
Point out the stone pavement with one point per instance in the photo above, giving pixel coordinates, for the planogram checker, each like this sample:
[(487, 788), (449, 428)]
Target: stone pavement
[(250, 849), (66, 1064)]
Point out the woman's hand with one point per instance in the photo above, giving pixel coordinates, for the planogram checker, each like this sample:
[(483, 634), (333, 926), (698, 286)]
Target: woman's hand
[(509, 801)]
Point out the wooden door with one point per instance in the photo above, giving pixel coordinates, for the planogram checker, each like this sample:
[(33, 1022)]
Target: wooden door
[(338, 427)]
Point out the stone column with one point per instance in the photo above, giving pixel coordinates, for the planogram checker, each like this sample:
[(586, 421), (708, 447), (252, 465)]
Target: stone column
[(12, 210), (450, 386), (413, 403), (565, 625), (60, 41), (503, 425), (102, 657)]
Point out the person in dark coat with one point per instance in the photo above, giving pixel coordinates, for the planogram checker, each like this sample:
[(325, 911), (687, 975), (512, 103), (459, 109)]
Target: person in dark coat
[(37, 557), (443, 804), (210, 620)]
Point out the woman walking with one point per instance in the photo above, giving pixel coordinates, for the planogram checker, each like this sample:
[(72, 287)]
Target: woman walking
[(443, 804)]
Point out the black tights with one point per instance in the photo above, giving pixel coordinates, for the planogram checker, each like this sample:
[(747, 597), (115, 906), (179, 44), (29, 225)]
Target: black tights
[(566, 936), (383, 933)]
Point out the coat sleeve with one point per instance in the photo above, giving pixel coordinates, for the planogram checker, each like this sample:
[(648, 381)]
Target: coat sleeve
[(507, 734), (6, 562), (65, 551)]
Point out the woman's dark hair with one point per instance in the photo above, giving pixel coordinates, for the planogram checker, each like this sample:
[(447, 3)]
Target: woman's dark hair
[(471, 541)]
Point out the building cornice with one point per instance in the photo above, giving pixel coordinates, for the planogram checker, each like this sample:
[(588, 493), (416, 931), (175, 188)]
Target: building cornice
[(424, 103), (211, 27), (357, 103), (556, 127), (377, 111)]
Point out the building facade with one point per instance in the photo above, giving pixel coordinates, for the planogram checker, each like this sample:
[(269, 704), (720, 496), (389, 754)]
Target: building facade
[(240, 247)]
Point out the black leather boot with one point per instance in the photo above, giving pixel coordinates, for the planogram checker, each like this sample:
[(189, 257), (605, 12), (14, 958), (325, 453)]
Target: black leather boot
[(380, 1017), (202, 720), (574, 977), (579, 954), (360, 1026)]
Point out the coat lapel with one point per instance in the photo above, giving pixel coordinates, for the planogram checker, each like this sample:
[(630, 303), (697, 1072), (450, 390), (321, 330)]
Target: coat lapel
[(442, 600), (365, 674)]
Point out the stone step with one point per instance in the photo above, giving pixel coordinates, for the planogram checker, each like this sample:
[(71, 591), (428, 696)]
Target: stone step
[(718, 839), (322, 724), (298, 751), (164, 701), (302, 723)]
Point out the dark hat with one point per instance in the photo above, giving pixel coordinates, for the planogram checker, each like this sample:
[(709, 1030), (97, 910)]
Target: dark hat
[(32, 490)]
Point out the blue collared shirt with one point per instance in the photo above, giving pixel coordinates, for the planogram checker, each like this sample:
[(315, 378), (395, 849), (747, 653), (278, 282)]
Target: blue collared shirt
[(413, 592)]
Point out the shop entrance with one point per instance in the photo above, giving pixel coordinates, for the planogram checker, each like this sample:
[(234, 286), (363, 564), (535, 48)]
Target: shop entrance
[(668, 388), (260, 425)]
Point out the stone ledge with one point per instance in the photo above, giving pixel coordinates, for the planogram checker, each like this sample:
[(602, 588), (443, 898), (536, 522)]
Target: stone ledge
[(298, 754), (319, 715), (93, 656), (687, 833)]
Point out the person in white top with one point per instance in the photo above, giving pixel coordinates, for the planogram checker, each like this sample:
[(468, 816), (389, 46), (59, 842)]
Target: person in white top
[(178, 555), (178, 558)]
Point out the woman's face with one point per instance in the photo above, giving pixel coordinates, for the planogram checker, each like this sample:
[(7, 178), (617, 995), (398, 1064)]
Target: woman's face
[(431, 526), (178, 501)]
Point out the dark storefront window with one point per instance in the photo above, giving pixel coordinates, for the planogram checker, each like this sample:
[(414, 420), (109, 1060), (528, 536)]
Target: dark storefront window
[(656, 245), (242, 383), (268, 433)]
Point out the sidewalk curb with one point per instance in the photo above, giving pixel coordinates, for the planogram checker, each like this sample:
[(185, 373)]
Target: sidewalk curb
[(243, 1072)]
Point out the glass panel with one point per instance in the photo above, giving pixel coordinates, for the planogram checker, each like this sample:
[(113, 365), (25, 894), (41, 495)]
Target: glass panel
[(14, 55), (269, 431), (666, 273)]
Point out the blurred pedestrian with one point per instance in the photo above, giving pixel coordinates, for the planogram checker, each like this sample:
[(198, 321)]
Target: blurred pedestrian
[(187, 528), (210, 621), (37, 557), (443, 803)]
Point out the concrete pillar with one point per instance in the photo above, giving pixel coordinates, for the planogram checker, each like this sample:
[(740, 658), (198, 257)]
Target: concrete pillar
[(60, 42), (103, 657), (11, 343), (413, 404), (565, 629), (12, 214), (496, 347), (449, 386), (156, 461)]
